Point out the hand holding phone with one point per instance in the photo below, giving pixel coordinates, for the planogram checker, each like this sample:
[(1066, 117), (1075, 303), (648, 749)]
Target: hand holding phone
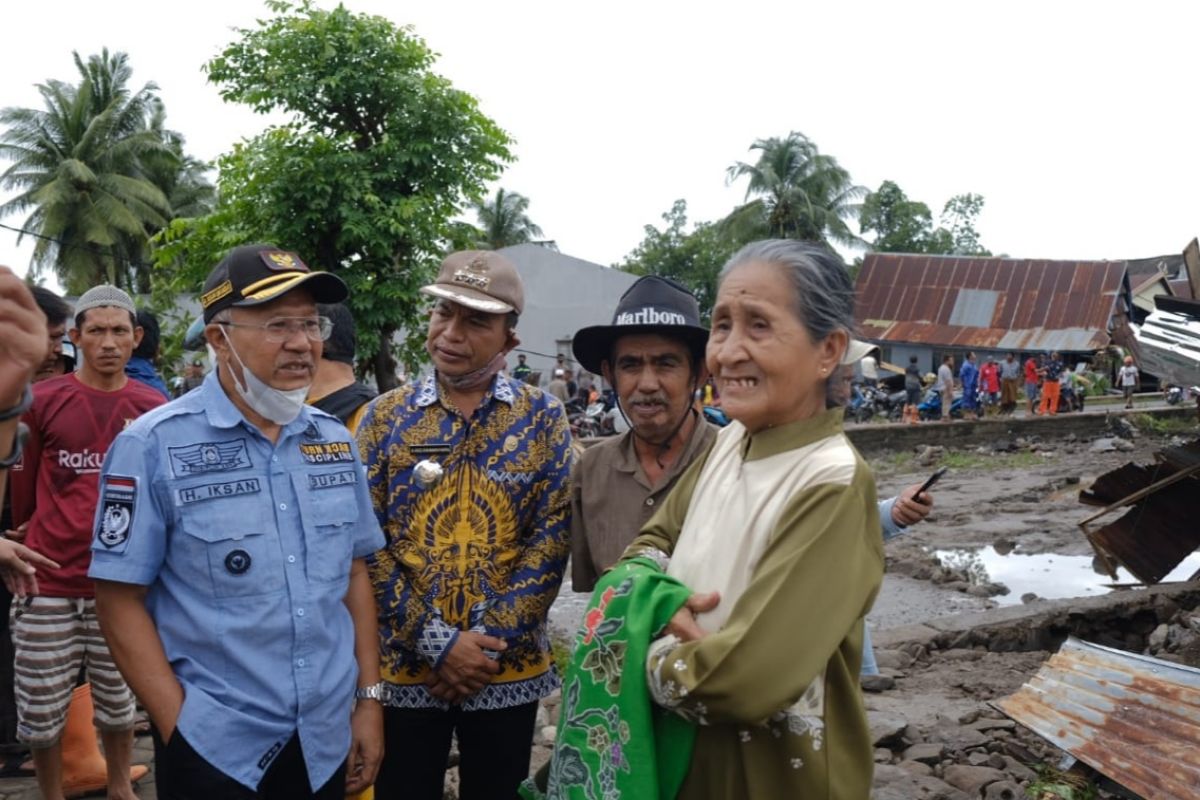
[(930, 481)]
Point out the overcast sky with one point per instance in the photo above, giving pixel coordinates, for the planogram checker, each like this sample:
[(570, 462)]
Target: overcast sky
[(1076, 121)]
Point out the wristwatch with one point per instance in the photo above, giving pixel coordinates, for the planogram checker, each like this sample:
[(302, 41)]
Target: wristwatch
[(372, 692)]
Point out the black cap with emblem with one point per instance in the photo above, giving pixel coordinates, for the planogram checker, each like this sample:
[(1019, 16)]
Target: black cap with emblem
[(258, 273)]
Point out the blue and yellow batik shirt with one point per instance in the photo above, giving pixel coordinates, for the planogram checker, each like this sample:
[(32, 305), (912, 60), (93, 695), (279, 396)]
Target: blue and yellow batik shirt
[(483, 549)]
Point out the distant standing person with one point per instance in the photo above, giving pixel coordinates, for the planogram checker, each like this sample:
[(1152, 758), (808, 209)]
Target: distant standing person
[(945, 381), (1010, 380), (912, 391), (558, 386), (522, 370), (1031, 382), (969, 376), (141, 366), (1051, 371), (335, 389), (1129, 379), (989, 379), (870, 369)]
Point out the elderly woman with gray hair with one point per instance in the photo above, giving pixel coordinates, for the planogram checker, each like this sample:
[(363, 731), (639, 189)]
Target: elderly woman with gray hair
[(776, 530)]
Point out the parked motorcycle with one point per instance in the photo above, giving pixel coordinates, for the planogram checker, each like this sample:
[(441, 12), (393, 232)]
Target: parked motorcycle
[(931, 407)]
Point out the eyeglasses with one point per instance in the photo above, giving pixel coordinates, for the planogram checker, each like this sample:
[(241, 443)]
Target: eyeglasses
[(281, 329)]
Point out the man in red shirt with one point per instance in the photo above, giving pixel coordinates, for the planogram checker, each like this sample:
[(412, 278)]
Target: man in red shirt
[(73, 420), (1031, 382)]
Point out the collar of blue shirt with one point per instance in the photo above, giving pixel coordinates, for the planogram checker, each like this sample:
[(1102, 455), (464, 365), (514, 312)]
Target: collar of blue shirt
[(428, 391)]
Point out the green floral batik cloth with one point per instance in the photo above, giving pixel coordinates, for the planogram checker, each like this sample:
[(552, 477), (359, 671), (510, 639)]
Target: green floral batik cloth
[(613, 743)]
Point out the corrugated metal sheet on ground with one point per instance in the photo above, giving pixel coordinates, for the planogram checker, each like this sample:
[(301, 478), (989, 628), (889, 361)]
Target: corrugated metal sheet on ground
[(1133, 718), (1002, 303), (1159, 531)]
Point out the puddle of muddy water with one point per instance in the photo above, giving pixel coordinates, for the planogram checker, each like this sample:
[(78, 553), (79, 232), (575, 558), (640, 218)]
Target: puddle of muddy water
[(1047, 575)]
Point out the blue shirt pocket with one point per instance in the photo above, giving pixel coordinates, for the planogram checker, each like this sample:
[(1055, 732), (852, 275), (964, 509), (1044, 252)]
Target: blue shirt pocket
[(230, 548), (329, 509)]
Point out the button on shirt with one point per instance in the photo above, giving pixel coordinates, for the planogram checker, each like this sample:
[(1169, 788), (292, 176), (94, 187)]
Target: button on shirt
[(246, 548)]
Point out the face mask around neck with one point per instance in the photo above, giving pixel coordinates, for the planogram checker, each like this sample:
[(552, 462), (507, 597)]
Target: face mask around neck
[(273, 404)]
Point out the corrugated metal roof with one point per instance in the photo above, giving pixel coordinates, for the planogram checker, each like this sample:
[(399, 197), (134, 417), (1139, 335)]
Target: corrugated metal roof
[(1134, 718), (939, 300)]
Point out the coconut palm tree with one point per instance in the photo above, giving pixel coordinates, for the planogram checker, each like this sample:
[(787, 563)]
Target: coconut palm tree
[(77, 168), (503, 221), (794, 192)]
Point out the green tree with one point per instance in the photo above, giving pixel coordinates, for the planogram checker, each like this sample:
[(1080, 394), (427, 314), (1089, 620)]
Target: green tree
[(958, 217), (798, 193), (900, 225), (693, 258), (504, 220), (376, 158), (78, 167)]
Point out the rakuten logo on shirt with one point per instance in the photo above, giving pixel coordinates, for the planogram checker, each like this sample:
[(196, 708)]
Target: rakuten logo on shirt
[(82, 463)]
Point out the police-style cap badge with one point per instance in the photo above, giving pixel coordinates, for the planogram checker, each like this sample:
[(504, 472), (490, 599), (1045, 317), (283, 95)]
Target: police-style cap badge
[(258, 273), (651, 305), (480, 279)]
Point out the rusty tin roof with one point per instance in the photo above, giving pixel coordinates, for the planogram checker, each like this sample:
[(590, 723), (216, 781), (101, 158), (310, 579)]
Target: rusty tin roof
[(989, 303), (1134, 718)]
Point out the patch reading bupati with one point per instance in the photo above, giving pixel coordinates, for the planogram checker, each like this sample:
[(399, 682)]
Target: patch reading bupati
[(328, 480), (117, 495), (215, 491), (327, 453), (206, 457)]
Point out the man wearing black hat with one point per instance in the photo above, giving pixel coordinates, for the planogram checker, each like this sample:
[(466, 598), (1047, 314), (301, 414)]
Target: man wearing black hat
[(653, 356), (335, 389), (228, 557)]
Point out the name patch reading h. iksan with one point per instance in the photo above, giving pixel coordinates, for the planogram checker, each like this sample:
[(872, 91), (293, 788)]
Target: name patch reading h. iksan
[(215, 491), (327, 480), (206, 457), (327, 453)]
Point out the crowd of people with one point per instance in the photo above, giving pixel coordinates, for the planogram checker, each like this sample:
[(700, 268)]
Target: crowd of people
[(994, 387), (311, 589)]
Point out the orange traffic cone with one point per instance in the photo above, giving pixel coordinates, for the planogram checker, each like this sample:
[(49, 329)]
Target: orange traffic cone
[(84, 770)]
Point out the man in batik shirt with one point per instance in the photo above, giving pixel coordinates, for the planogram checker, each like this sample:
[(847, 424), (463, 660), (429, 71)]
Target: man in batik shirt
[(469, 474)]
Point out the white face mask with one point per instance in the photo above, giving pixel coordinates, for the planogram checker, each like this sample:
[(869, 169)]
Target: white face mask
[(274, 404)]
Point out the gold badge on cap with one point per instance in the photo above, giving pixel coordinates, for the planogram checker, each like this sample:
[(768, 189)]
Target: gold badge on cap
[(281, 260), (474, 273)]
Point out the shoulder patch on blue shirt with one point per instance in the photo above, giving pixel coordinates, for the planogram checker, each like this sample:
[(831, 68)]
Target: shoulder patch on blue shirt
[(206, 457), (117, 495), (327, 453), (327, 480), (215, 491)]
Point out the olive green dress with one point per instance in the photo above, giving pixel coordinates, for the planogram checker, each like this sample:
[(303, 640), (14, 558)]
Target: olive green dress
[(784, 525)]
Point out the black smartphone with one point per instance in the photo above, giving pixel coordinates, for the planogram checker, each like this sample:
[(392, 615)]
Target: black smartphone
[(930, 481)]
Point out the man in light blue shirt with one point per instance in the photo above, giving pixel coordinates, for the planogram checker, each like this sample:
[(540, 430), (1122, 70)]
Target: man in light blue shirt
[(230, 533)]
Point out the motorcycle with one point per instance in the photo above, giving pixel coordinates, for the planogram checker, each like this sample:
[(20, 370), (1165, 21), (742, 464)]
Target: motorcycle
[(931, 407), (861, 405)]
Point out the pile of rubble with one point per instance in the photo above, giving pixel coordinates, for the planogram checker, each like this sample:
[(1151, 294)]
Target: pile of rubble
[(1177, 640)]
